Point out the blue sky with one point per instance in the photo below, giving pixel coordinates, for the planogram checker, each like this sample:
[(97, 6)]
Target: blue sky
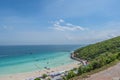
[(31, 22)]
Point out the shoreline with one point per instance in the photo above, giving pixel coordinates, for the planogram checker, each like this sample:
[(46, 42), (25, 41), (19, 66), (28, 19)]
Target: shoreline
[(84, 62), (34, 74)]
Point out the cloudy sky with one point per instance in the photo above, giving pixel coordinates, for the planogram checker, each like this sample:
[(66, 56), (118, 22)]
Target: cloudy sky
[(31, 22)]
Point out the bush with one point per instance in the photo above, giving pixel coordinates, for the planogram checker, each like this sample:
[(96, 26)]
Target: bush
[(80, 70), (64, 78), (71, 74), (118, 56), (44, 75), (37, 79)]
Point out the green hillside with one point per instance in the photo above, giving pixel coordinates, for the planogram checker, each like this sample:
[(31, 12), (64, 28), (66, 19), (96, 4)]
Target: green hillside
[(99, 56), (92, 51)]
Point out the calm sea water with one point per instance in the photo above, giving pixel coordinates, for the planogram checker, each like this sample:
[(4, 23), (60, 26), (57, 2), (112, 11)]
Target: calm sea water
[(18, 59)]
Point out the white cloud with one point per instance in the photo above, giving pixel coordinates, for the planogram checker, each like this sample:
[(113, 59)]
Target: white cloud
[(61, 20), (61, 25)]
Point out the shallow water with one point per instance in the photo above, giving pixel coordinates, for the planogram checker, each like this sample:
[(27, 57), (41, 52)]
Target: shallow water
[(18, 59)]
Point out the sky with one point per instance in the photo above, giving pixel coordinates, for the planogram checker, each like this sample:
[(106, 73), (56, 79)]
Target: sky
[(38, 22)]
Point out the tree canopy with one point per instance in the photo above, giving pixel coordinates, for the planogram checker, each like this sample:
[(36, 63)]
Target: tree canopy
[(92, 51)]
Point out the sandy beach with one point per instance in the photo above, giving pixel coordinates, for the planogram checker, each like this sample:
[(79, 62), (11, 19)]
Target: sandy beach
[(27, 75)]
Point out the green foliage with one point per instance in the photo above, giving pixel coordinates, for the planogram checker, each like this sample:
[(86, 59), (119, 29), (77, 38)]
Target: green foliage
[(98, 62), (98, 55), (84, 69), (94, 50), (44, 75), (71, 74), (64, 78), (48, 79), (37, 79), (80, 70), (118, 56)]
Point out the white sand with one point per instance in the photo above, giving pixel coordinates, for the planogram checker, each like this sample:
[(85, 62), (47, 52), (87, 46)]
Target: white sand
[(27, 75)]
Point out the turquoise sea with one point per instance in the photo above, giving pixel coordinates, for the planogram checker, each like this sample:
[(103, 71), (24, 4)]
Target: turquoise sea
[(18, 59)]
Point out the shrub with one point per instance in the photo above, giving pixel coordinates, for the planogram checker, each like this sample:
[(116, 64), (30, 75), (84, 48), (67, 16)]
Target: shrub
[(71, 74), (44, 75), (37, 79)]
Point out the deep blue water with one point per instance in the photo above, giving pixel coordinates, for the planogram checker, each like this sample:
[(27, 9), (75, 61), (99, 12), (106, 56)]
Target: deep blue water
[(7, 51)]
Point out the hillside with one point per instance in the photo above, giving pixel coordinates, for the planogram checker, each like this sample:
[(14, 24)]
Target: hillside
[(100, 56), (94, 50)]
